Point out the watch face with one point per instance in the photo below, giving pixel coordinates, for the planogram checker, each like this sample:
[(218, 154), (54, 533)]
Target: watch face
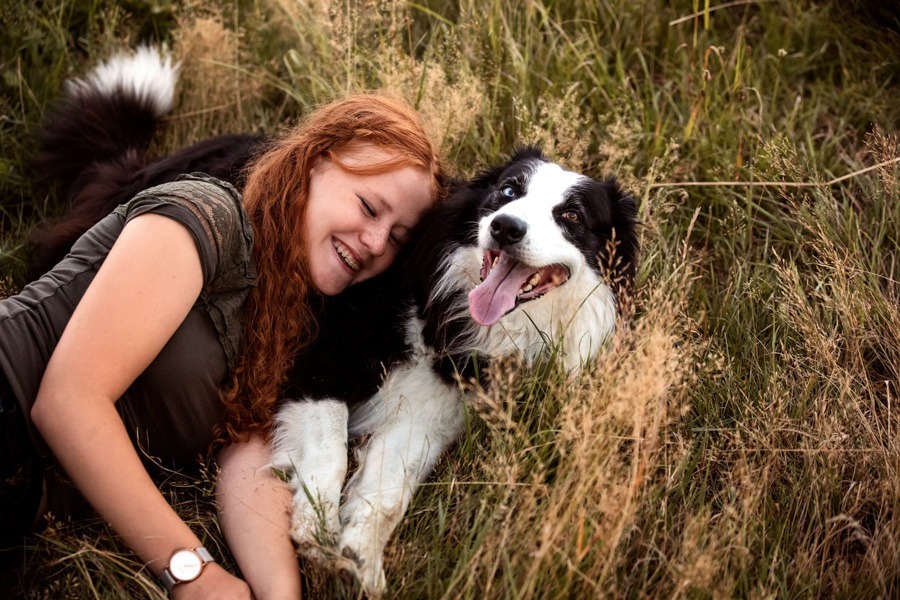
[(185, 565)]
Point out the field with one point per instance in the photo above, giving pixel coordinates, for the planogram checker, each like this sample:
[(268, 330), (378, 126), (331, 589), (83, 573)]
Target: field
[(740, 436)]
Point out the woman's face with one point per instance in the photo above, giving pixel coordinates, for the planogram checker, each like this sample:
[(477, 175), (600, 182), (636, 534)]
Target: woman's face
[(355, 224)]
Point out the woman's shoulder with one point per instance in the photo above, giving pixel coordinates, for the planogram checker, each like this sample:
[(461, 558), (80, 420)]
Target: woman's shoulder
[(211, 209), (216, 204)]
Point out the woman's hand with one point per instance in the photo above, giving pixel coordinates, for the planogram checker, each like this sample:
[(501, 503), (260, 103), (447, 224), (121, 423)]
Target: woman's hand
[(214, 583)]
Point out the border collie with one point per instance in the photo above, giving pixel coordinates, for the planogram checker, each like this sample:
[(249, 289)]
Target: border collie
[(512, 263), (517, 261)]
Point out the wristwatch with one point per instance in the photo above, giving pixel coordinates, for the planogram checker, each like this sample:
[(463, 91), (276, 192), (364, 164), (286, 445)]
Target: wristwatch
[(185, 565)]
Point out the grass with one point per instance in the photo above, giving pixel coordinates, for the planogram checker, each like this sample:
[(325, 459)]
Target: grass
[(740, 437)]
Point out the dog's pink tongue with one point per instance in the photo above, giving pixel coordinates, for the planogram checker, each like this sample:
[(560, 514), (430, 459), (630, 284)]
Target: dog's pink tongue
[(496, 295)]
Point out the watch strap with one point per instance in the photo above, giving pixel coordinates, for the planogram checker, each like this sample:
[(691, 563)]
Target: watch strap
[(204, 554), (167, 580)]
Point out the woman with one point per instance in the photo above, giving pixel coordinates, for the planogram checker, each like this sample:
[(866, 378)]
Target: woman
[(190, 282)]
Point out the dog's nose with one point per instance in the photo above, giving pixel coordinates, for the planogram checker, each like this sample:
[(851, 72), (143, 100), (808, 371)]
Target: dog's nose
[(507, 229)]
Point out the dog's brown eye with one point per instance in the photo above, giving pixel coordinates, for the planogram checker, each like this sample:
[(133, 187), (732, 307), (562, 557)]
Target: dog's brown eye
[(571, 215)]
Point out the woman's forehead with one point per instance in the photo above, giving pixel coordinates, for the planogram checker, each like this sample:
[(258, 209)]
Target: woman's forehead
[(364, 154)]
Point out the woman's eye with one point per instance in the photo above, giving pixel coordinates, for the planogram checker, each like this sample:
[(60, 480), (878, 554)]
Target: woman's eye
[(367, 207), (397, 242), (571, 215), (508, 191)]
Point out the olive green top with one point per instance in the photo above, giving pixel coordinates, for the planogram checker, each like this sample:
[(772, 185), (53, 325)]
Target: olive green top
[(171, 408)]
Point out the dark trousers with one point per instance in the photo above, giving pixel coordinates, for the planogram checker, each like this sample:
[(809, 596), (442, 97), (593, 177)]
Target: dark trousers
[(21, 471)]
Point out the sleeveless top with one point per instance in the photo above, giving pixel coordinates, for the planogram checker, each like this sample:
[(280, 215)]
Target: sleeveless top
[(172, 407)]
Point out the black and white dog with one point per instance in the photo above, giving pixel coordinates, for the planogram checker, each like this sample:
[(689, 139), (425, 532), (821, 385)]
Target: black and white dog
[(512, 263), (515, 261)]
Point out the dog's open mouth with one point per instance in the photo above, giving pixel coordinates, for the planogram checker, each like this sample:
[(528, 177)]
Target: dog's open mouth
[(506, 282)]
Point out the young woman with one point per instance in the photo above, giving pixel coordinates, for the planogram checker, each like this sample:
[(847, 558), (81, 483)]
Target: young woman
[(192, 286)]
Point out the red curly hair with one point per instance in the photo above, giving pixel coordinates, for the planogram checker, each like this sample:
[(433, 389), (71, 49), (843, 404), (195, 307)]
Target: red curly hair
[(279, 321)]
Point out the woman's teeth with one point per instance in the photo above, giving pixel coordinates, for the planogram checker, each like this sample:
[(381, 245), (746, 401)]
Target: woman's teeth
[(346, 255)]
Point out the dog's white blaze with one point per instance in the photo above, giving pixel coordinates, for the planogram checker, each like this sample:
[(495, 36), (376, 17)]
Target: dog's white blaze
[(544, 243), (310, 445), (148, 74), (411, 421)]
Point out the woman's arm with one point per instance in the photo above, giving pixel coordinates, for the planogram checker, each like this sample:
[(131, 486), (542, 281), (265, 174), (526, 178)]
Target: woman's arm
[(254, 510), (141, 294)]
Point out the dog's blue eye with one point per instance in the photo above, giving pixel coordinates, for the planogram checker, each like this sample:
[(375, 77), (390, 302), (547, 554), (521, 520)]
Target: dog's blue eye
[(508, 191)]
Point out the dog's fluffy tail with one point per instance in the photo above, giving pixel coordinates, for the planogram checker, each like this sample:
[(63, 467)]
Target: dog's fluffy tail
[(94, 140), (94, 148), (107, 116)]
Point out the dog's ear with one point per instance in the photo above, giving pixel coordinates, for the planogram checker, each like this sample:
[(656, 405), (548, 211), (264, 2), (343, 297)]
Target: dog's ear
[(529, 152), (623, 204), (624, 222), (486, 178)]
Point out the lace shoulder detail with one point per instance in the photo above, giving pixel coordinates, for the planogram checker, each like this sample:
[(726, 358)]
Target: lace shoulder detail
[(211, 210)]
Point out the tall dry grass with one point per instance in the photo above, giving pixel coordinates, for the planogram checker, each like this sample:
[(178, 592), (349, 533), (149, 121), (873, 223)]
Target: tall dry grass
[(739, 436)]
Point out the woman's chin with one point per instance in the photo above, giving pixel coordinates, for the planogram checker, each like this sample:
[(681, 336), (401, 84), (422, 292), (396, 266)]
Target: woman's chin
[(331, 284)]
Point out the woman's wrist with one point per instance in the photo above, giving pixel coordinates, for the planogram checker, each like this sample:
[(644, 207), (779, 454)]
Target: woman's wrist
[(213, 582)]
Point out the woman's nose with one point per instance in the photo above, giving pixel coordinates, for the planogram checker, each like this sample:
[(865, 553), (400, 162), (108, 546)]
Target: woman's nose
[(376, 238)]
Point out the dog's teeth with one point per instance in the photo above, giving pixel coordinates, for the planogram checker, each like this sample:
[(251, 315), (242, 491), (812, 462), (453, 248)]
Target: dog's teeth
[(526, 288), (534, 280), (496, 260)]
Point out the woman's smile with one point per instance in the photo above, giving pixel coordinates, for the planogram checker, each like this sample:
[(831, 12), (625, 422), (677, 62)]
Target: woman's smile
[(346, 256)]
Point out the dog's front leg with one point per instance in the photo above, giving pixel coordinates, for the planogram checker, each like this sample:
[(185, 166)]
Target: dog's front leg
[(379, 497), (310, 445), (400, 452)]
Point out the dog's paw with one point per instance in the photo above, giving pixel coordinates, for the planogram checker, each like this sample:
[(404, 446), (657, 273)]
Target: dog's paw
[(315, 529), (318, 548), (363, 559)]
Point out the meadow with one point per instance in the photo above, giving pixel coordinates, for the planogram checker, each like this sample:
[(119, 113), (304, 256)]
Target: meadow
[(739, 438)]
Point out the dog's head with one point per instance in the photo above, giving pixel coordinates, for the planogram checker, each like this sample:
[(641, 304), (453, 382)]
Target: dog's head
[(529, 234), (545, 231)]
